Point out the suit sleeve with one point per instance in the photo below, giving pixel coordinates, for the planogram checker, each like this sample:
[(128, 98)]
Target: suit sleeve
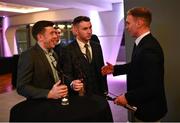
[(121, 69), (68, 68), (103, 84), (25, 78)]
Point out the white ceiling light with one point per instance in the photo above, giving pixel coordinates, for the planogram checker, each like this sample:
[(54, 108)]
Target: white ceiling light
[(19, 8)]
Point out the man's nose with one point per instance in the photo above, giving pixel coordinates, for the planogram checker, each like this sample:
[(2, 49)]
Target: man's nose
[(89, 31)]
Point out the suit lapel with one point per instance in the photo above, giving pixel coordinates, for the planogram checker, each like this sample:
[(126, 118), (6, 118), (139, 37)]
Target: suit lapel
[(44, 59), (94, 51), (134, 50), (141, 43), (78, 52)]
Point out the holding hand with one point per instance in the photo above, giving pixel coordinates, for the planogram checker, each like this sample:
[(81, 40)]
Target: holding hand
[(121, 100), (77, 85), (108, 69), (58, 91)]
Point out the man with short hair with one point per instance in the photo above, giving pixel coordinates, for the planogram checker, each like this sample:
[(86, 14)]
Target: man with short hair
[(145, 72), (37, 74), (84, 59)]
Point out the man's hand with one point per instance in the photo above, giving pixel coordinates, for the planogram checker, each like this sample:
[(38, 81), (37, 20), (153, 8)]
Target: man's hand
[(58, 91), (77, 85), (121, 100), (107, 69)]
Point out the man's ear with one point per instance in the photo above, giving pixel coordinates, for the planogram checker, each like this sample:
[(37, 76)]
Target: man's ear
[(75, 29), (39, 37), (139, 22)]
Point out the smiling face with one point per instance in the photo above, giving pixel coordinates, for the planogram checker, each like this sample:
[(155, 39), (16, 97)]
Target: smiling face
[(48, 38)]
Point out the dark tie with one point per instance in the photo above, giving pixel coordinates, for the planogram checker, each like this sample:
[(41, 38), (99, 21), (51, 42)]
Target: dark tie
[(88, 55)]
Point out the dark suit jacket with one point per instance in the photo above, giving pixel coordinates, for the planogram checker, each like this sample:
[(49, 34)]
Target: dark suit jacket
[(75, 63), (35, 76), (145, 80), (59, 51), (95, 38)]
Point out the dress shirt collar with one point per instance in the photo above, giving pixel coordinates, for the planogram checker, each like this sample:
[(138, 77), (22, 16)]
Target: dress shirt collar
[(140, 37), (81, 44), (58, 42), (45, 50)]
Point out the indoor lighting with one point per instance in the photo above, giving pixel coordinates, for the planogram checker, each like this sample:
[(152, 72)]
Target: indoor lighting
[(19, 8)]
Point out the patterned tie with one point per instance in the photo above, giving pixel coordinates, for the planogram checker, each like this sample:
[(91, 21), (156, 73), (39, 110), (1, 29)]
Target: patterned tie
[(54, 68), (53, 60), (88, 55)]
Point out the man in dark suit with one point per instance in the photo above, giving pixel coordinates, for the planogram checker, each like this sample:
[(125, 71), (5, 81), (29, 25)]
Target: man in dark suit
[(84, 62), (59, 46), (145, 72), (95, 38), (37, 74)]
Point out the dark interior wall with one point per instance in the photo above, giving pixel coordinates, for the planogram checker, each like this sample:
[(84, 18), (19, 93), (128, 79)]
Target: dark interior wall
[(165, 27), (5, 65)]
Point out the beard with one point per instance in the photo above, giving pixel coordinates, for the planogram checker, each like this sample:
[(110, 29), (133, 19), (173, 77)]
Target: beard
[(50, 44)]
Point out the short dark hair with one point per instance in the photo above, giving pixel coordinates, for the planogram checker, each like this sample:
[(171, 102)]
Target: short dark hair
[(78, 19), (56, 27), (141, 12), (39, 27)]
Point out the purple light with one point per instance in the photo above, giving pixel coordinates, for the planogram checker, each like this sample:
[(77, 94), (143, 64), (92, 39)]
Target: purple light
[(7, 51), (109, 27)]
